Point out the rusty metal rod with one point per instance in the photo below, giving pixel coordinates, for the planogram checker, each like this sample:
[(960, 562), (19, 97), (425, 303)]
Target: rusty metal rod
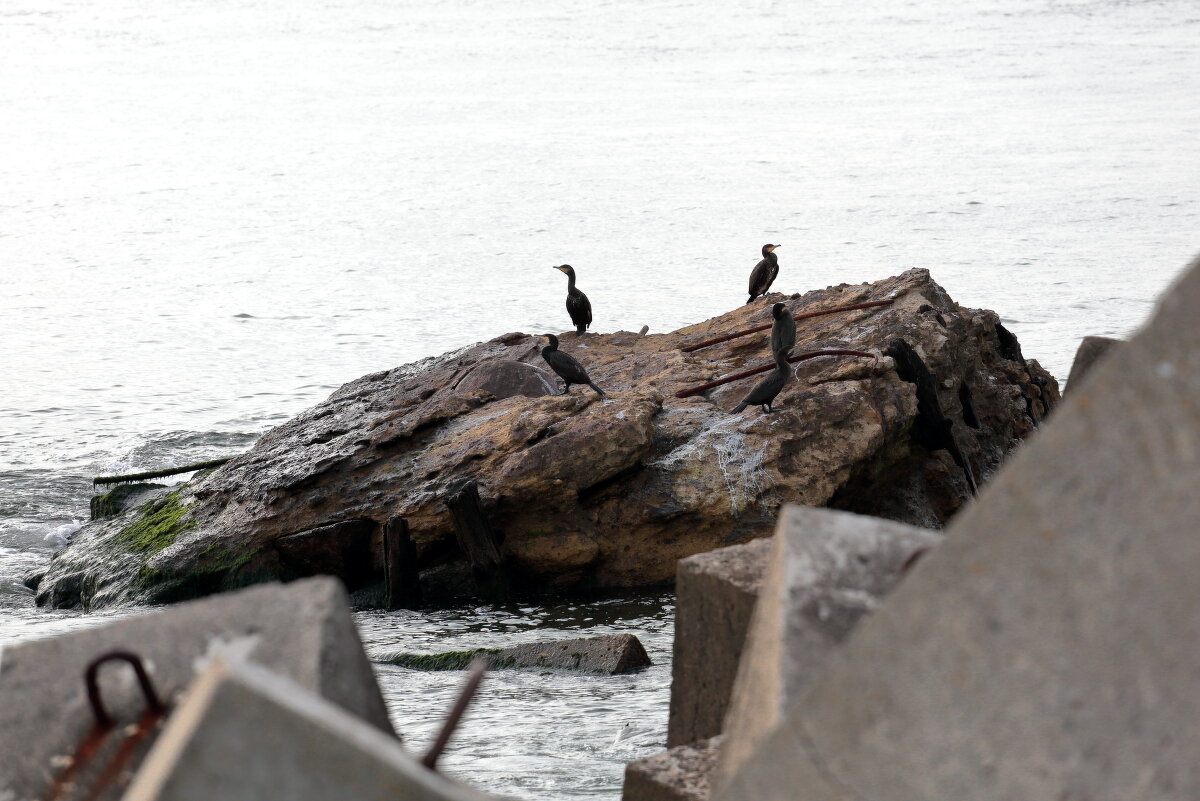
[(100, 713), (687, 393), (804, 316), (475, 675)]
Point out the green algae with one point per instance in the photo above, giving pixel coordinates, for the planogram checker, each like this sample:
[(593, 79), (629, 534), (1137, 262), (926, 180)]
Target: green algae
[(160, 522), (115, 501)]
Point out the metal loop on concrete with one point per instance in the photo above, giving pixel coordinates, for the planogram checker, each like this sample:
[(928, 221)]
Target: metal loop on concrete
[(93, 688)]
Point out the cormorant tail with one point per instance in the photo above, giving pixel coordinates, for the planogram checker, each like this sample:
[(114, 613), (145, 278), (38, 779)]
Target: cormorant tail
[(738, 408), (751, 300), (580, 328), (593, 386)]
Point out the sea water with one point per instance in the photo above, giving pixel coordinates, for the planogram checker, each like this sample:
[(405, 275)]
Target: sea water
[(214, 213)]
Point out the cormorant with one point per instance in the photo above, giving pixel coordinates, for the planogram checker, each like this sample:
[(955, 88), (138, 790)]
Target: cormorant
[(764, 394), (783, 331), (565, 366), (578, 306), (763, 274)]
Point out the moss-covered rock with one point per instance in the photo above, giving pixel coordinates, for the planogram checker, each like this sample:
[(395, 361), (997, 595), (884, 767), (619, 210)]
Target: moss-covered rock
[(119, 499), (157, 525)]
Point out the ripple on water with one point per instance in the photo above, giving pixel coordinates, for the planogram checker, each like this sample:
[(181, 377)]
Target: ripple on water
[(531, 733)]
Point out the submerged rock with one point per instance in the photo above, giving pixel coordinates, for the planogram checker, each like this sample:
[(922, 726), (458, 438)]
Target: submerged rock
[(589, 492), (611, 654)]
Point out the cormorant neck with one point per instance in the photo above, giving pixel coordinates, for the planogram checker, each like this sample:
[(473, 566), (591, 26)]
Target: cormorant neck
[(570, 280), (781, 359)]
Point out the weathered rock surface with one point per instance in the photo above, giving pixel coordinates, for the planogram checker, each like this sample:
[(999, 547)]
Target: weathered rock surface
[(303, 631), (714, 600), (682, 773), (592, 493), (1050, 647), (244, 734), (611, 654)]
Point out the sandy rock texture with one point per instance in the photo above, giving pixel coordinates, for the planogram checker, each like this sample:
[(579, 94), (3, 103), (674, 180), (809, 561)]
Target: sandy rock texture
[(590, 492)]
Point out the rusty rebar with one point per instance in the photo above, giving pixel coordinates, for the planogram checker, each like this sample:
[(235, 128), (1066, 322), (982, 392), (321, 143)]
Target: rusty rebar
[(806, 315), (103, 719), (687, 393), (101, 729), (470, 686)]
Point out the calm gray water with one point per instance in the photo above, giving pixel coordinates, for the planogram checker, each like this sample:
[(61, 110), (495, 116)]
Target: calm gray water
[(215, 214)]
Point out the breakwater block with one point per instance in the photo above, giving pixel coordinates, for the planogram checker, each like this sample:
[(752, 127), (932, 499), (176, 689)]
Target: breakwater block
[(611, 654), (826, 570), (681, 773), (715, 593), (1089, 352), (303, 631), (243, 733), (1049, 647)]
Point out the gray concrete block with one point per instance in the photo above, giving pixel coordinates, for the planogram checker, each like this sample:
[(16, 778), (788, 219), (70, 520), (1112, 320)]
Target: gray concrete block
[(1089, 352), (1050, 647), (681, 773), (714, 598), (244, 734), (826, 570), (303, 630), (611, 654)]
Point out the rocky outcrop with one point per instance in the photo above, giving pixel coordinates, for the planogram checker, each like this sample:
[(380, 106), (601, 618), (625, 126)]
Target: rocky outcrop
[(591, 492)]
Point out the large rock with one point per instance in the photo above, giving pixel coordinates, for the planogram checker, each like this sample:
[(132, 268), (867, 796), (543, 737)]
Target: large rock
[(303, 631), (714, 599), (590, 492), (1050, 647), (245, 734)]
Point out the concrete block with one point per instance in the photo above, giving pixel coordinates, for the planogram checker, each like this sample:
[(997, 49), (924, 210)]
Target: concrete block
[(611, 654), (714, 594), (302, 630), (1050, 648), (826, 570), (681, 773), (1089, 352), (244, 734)]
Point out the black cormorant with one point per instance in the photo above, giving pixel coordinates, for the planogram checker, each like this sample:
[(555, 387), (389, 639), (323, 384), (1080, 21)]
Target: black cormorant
[(783, 331), (764, 394), (578, 306), (564, 364), (763, 274)]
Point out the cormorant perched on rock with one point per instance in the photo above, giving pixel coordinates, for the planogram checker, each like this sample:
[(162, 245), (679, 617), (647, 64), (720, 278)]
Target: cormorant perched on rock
[(564, 364), (764, 394), (763, 274), (578, 306), (783, 332)]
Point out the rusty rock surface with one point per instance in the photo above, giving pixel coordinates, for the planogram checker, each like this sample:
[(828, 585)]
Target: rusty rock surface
[(589, 492)]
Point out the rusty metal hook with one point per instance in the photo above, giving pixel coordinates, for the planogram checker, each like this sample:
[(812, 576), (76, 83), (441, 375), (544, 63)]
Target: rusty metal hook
[(93, 688), (474, 676)]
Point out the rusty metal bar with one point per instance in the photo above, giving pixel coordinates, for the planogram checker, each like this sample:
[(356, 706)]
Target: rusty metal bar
[(687, 393), (98, 736), (805, 316), (474, 676), (103, 719)]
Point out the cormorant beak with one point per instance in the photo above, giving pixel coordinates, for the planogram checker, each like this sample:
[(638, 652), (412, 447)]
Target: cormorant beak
[(776, 246)]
